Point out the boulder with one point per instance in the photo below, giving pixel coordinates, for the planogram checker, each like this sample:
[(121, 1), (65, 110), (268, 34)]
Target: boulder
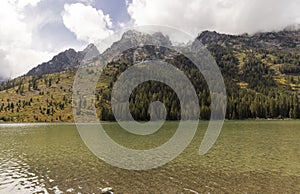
[(107, 190)]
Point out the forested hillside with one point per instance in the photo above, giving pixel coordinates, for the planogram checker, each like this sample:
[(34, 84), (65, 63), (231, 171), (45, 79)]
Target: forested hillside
[(261, 73)]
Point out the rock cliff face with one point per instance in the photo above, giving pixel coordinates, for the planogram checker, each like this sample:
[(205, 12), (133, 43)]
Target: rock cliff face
[(70, 59), (132, 38), (65, 61), (287, 39)]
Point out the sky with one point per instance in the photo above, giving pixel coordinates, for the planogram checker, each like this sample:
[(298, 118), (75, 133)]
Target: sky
[(33, 31)]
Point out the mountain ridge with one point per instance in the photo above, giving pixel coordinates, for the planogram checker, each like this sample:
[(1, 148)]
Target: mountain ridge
[(272, 40), (261, 73), (66, 60), (70, 59)]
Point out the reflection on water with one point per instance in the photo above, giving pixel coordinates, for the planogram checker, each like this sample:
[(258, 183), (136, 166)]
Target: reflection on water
[(15, 176), (249, 157)]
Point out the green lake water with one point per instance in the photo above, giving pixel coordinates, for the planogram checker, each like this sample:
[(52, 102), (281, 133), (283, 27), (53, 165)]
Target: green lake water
[(248, 157)]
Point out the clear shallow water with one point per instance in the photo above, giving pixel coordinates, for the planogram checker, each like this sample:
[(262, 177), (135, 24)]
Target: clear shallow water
[(249, 156)]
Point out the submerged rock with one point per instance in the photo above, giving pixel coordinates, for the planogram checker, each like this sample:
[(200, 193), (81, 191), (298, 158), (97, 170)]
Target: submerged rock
[(107, 190)]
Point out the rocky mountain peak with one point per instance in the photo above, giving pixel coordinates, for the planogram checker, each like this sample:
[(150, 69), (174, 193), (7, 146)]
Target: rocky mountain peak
[(130, 34), (89, 53), (66, 60), (207, 37), (91, 48), (131, 39)]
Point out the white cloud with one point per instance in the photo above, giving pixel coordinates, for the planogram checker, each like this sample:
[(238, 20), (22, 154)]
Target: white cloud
[(23, 3), (229, 16), (4, 72), (33, 31), (22, 60), (13, 30), (88, 2), (16, 53), (86, 22)]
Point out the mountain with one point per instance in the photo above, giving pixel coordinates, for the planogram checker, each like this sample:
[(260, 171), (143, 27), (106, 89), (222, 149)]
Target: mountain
[(132, 38), (261, 73), (287, 39), (64, 61)]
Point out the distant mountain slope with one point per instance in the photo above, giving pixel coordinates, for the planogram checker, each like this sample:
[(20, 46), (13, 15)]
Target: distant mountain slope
[(268, 40), (64, 61), (261, 73)]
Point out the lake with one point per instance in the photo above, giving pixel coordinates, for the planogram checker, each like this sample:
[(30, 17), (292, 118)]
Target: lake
[(248, 157)]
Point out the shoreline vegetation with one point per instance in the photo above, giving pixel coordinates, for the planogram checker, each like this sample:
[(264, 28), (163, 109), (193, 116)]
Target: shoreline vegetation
[(71, 122)]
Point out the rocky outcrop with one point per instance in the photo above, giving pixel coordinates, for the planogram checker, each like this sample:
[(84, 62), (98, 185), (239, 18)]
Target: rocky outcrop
[(65, 61), (107, 190), (287, 39)]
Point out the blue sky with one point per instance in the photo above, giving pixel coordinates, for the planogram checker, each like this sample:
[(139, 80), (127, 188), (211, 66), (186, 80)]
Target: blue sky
[(115, 8), (54, 32), (33, 31)]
